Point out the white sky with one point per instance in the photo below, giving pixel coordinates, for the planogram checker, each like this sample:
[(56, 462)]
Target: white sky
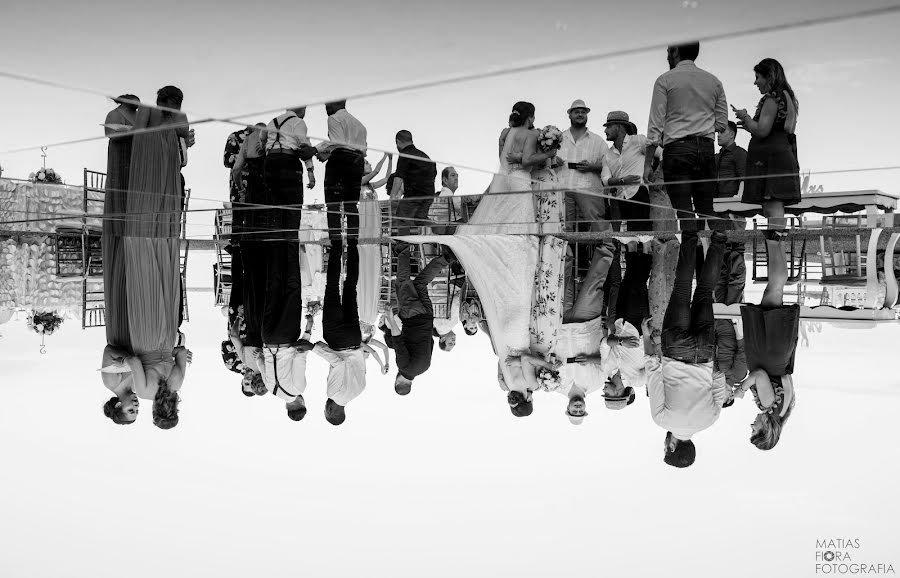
[(444, 482)]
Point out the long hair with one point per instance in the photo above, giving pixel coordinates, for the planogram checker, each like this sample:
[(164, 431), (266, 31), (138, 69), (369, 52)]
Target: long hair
[(165, 406), (771, 70), (521, 111), (115, 414), (772, 426)]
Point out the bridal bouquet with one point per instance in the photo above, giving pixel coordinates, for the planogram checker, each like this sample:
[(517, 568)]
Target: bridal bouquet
[(550, 138), (45, 322), (46, 176), (548, 379)]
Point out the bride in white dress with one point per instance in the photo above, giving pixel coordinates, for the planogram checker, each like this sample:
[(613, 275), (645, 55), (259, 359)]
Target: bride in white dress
[(501, 251), (523, 168)]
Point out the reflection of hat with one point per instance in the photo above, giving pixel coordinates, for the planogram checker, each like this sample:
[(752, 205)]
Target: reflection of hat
[(620, 401), (617, 117), (575, 419), (578, 104)]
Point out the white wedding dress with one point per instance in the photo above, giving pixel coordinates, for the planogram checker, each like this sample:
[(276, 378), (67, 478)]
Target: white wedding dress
[(500, 212), (368, 288)]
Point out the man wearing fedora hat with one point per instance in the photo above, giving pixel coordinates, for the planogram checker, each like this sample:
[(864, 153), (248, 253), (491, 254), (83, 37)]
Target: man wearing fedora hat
[(578, 166), (623, 168)]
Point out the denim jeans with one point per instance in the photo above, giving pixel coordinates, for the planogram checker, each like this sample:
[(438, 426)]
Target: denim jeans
[(690, 160), (688, 331)]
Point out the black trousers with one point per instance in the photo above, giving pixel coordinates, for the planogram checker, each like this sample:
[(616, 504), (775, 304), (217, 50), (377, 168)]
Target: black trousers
[(253, 288), (343, 180), (236, 299), (636, 214), (283, 174), (246, 219), (340, 316), (272, 292), (633, 303)]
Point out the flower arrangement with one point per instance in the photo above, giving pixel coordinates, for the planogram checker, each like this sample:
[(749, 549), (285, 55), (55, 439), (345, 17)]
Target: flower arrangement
[(46, 176), (44, 322), (550, 138), (548, 379)]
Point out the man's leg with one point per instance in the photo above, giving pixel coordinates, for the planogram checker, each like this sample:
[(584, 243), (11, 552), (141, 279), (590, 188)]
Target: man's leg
[(350, 184), (678, 313), (703, 192), (420, 216), (679, 160), (702, 318), (592, 209), (612, 286), (333, 198), (636, 211), (282, 321), (331, 308), (254, 262), (589, 303), (425, 277), (349, 306)]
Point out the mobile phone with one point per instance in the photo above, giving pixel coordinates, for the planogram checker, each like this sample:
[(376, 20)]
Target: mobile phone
[(573, 165)]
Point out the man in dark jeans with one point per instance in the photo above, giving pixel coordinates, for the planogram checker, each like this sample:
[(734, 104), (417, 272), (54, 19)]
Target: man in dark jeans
[(687, 110), (687, 332), (686, 392), (414, 180), (413, 344)]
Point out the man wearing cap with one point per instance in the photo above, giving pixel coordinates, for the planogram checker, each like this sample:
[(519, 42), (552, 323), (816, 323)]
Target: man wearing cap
[(579, 163), (687, 110), (623, 167)]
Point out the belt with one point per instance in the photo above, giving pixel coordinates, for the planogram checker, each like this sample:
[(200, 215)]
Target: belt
[(283, 151), (348, 151), (691, 139), (351, 348)]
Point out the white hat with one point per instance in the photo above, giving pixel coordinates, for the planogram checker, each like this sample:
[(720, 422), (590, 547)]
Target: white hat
[(578, 104)]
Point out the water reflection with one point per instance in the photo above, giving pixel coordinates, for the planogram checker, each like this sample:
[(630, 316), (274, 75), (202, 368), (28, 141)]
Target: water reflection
[(669, 318)]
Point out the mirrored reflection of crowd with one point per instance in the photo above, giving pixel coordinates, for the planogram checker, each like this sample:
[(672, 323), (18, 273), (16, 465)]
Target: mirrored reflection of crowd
[(562, 264)]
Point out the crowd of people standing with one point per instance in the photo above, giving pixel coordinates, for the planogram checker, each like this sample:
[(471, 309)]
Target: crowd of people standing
[(560, 316)]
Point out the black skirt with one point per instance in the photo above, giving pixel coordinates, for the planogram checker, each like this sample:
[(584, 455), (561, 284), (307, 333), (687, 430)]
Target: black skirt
[(770, 337)]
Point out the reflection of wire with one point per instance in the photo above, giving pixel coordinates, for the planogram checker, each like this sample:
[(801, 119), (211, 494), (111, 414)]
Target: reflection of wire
[(485, 74)]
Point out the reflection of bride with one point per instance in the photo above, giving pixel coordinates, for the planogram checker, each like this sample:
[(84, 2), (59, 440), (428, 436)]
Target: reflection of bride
[(523, 168)]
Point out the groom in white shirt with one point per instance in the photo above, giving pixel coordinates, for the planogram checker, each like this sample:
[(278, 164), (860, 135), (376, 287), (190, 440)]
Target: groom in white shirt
[(686, 393)]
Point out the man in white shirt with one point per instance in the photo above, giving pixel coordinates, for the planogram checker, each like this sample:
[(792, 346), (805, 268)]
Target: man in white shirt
[(446, 208), (343, 337), (687, 110), (623, 167), (578, 166), (287, 151), (345, 151), (284, 371), (686, 393)]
